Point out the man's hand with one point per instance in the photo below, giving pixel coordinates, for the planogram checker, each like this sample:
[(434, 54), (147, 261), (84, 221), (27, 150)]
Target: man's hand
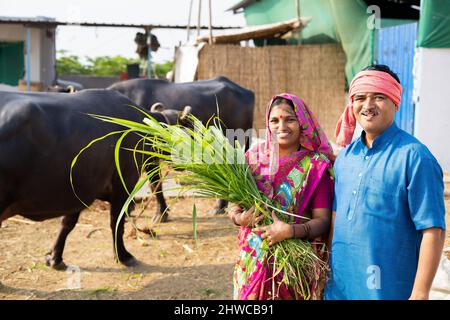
[(430, 254), (417, 296)]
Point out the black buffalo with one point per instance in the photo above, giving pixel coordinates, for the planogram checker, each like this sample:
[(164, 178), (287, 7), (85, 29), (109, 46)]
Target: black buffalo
[(234, 103), (40, 134)]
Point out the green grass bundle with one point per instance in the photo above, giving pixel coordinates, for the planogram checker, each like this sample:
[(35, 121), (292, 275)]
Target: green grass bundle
[(209, 164)]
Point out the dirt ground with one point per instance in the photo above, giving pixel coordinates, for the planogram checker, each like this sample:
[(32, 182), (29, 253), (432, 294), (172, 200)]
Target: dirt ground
[(171, 265)]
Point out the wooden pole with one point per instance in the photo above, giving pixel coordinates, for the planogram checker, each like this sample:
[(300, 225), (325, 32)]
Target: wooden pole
[(299, 35), (199, 16), (210, 23), (189, 20), (149, 53)]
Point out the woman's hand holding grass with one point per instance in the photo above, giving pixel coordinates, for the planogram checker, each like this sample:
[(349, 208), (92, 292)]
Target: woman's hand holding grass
[(275, 232), (244, 218)]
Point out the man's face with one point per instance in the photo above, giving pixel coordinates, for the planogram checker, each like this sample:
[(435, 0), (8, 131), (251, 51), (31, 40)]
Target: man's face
[(374, 112)]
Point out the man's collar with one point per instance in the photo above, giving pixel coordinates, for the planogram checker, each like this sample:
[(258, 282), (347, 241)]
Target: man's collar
[(383, 138)]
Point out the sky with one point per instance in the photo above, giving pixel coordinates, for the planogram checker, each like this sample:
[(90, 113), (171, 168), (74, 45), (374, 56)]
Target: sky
[(95, 41)]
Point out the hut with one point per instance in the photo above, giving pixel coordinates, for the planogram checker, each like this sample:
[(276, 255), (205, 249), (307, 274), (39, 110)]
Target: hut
[(411, 36), (316, 73), (27, 44)]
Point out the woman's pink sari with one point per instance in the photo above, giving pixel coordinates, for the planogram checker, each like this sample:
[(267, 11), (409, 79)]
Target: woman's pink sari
[(290, 181)]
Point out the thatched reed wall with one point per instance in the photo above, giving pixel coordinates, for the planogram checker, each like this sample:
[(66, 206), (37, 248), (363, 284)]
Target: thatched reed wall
[(315, 73)]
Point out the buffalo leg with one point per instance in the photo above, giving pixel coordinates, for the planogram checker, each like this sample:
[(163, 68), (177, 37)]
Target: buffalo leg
[(220, 206), (162, 214), (120, 252), (54, 257)]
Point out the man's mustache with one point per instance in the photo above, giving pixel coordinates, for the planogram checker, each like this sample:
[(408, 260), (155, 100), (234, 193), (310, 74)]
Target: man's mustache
[(366, 111)]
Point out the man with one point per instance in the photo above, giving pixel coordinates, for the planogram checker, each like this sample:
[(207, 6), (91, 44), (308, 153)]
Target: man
[(388, 226)]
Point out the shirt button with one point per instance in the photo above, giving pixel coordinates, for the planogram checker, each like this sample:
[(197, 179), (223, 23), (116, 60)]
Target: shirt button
[(366, 157), (360, 174), (354, 192)]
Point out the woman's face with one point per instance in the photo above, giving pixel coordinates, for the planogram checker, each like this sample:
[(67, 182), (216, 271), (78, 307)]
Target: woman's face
[(284, 125)]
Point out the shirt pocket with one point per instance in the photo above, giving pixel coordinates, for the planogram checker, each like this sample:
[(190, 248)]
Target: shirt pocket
[(381, 200)]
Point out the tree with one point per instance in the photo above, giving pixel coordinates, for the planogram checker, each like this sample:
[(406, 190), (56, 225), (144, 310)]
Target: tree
[(103, 66), (110, 66), (162, 69), (70, 65)]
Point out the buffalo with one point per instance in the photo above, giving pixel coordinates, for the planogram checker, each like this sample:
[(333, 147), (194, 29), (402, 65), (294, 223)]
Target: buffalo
[(40, 135), (204, 99)]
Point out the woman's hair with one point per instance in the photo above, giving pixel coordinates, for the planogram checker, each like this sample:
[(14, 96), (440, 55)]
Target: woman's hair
[(383, 68), (279, 101)]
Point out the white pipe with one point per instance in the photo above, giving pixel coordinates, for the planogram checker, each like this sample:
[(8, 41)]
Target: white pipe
[(189, 20), (199, 16), (149, 55), (210, 23)]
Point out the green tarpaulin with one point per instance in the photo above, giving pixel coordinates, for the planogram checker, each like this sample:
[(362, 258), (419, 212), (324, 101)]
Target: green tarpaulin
[(434, 24), (348, 22)]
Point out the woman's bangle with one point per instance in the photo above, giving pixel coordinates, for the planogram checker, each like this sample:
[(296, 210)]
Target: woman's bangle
[(307, 229), (304, 234)]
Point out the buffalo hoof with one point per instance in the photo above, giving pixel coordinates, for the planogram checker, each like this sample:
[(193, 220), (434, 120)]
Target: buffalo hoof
[(217, 211), (161, 218), (130, 262), (54, 264)]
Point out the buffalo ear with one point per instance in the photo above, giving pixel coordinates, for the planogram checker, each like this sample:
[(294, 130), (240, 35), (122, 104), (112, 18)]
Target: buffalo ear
[(157, 107), (186, 111)]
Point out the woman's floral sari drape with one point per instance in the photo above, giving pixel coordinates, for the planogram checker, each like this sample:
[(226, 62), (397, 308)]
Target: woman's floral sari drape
[(290, 181)]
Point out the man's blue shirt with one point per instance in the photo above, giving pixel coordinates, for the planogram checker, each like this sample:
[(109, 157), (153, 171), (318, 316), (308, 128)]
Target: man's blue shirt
[(384, 197)]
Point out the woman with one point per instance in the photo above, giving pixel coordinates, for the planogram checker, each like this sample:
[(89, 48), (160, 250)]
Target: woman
[(293, 167)]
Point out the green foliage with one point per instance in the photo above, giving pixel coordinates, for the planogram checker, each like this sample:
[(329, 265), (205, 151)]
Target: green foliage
[(102, 66), (109, 66), (71, 65), (162, 69)]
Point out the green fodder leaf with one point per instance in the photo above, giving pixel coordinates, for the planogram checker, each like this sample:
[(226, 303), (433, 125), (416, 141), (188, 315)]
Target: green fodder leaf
[(145, 113), (122, 122), (150, 153), (117, 157), (125, 206), (136, 153), (280, 263), (222, 176), (75, 159)]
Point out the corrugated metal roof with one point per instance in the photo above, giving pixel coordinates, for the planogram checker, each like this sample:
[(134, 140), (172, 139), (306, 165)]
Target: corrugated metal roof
[(36, 19), (51, 22)]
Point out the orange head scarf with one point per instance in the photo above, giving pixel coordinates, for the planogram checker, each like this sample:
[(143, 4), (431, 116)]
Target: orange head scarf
[(365, 81)]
